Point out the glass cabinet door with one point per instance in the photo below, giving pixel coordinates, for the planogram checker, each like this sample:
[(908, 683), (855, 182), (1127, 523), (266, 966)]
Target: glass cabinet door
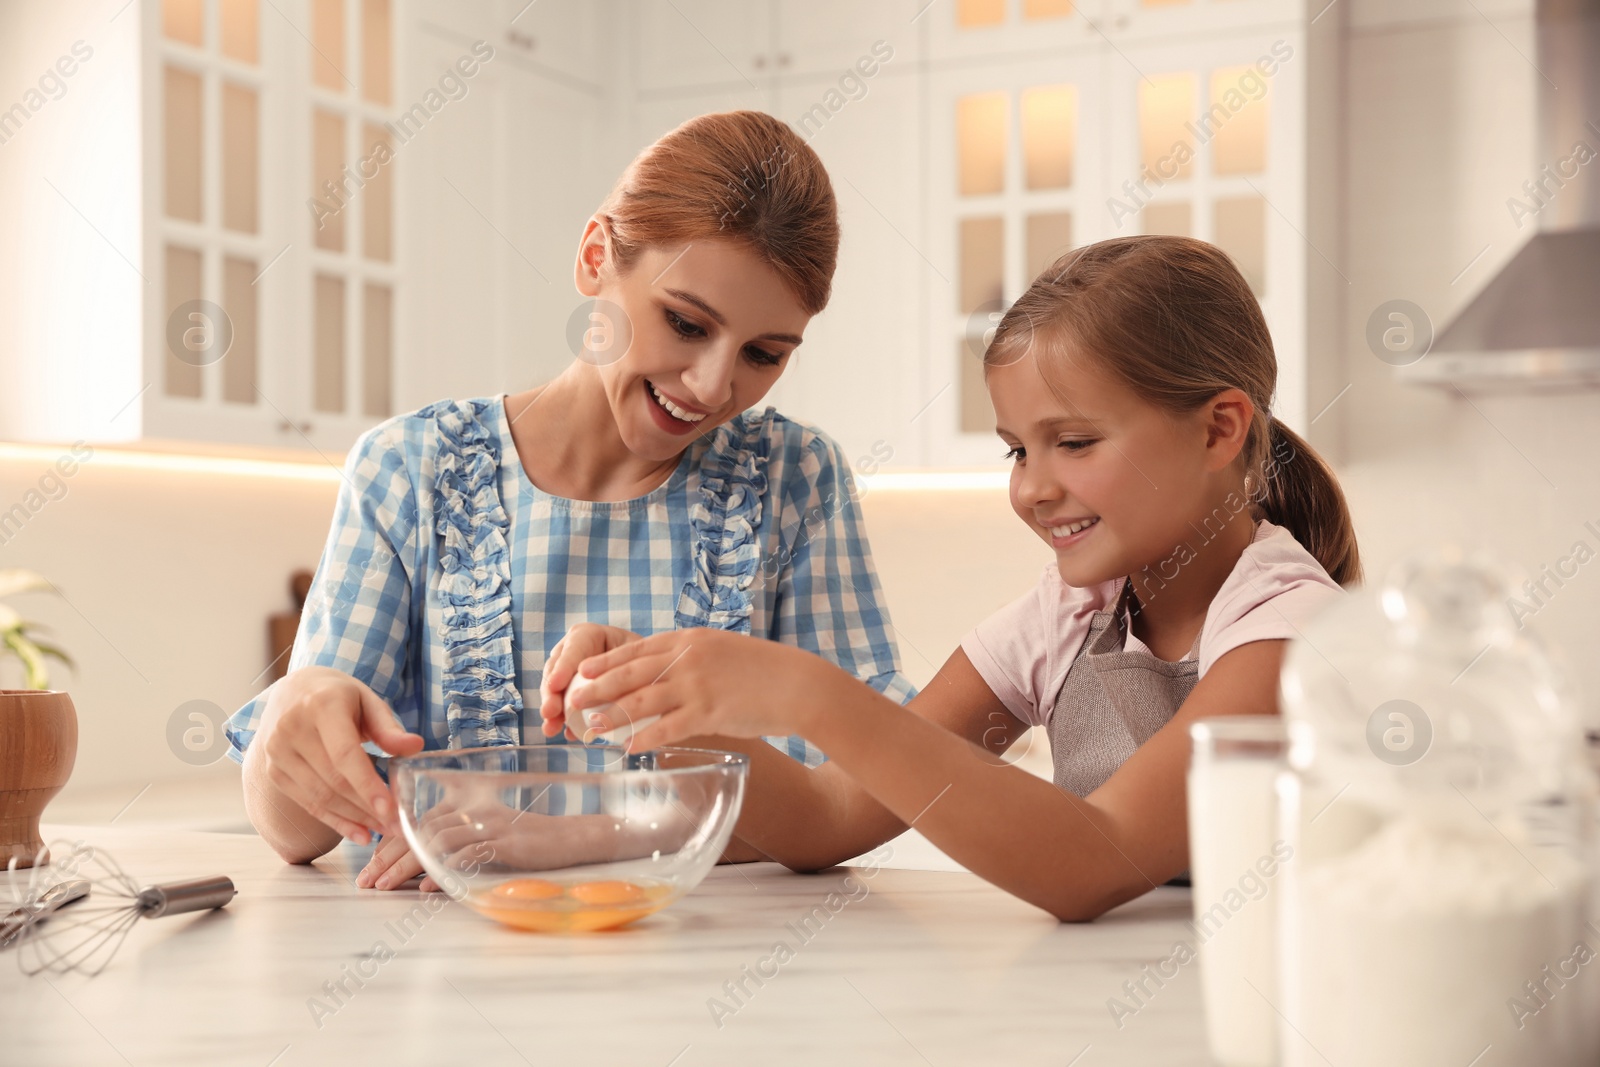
[(1010, 192), (273, 203)]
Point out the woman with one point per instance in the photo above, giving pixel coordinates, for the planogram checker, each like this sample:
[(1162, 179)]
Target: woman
[(636, 490)]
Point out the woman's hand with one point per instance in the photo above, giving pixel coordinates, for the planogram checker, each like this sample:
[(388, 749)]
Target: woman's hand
[(703, 681), (581, 642), (310, 739)]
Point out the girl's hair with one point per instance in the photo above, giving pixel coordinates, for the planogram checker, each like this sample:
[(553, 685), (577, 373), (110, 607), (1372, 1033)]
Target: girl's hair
[(740, 175), (1174, 320)]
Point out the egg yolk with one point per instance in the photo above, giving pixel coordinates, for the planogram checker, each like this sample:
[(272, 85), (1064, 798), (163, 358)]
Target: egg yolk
[(526, 889), (537, 904), (607, 893)]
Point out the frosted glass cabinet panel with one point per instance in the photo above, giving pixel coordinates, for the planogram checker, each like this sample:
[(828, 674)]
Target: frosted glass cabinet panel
[(241, 157), (1049, 135), (1166, 114), (183, 123), (982, 131), (241, 30)]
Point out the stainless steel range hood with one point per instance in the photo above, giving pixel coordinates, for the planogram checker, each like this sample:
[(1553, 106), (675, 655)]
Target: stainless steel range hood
[(1536, 324)]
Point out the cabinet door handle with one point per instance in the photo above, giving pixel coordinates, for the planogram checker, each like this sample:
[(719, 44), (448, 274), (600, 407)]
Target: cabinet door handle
[(761, 62), (784, 59), (285, 426)]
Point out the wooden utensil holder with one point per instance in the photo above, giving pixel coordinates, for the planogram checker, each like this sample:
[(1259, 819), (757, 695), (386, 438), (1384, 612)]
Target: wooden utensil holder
[(38, 746)]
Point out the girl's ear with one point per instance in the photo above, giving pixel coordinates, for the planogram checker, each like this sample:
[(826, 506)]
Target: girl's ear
[(1227, 418), (594, 251)]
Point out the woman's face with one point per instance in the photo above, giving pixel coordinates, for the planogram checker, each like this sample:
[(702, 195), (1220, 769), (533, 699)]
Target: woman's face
[(712, 327)]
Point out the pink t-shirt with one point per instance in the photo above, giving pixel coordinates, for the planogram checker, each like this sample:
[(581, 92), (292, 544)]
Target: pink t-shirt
[(1023, 650)]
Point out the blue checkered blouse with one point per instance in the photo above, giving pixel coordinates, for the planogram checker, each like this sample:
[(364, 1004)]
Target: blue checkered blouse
[(448, 576)]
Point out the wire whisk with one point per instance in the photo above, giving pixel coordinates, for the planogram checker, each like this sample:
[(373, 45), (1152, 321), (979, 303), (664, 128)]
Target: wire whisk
[(74, 914)]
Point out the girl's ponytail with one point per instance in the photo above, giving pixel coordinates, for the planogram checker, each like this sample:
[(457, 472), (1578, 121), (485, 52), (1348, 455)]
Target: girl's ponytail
[(1296, 490)]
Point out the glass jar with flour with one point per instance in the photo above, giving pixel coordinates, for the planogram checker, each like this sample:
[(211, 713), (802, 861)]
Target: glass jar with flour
[(1440, 810)]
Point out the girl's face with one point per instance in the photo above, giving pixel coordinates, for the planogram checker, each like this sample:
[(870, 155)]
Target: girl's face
[(712, 327), (1107, 479)]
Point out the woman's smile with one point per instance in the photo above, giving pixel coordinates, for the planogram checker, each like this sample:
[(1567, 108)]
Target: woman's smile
[(671, 415)]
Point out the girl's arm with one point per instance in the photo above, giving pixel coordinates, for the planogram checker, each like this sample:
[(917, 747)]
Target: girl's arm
[(807, 818), (1075, 857), (812, 818)]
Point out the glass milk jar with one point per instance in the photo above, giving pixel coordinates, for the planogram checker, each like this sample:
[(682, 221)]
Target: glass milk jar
[(1439, 808)]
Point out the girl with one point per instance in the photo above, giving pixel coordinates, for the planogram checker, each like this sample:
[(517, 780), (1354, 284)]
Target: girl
[(1193, 534), (640, 487)]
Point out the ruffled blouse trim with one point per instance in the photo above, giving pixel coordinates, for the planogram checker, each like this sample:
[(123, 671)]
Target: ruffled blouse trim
[(482, 702), (724, 517)]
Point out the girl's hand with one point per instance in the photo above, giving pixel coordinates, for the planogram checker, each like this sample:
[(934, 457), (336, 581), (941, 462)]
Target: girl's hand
[(581, 642), (392, 865), (311, 733), (702, 681)]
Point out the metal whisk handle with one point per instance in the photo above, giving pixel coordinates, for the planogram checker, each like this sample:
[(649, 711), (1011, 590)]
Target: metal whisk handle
[(175, 898)]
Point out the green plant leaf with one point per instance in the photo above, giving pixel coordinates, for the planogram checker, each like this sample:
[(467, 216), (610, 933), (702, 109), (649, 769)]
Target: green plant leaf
[(52, 650), (16, 581), (37, 674)]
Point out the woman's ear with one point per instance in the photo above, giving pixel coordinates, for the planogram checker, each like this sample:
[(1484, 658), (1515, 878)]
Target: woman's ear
[(594, 252), (1227, 418)]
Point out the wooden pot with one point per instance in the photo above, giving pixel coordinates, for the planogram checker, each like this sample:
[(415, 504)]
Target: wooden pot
[(38, 745)]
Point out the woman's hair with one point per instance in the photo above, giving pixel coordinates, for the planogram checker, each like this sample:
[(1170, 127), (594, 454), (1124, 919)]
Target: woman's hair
[(1174, 320), (740, 175)]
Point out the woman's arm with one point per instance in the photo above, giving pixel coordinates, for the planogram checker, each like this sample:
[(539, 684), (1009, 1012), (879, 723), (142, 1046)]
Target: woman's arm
[(1075, 857), (289, 829), (307, 781)]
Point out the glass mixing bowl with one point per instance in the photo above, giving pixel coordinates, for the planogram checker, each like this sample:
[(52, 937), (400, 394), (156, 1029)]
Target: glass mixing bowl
[(568, 837)]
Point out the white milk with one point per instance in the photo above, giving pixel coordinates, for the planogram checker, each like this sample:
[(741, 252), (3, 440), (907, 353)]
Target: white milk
[(1417, 945), (1235, 868)]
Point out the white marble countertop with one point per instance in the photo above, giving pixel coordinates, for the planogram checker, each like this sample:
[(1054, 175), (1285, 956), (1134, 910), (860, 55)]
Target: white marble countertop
[(920, 967)]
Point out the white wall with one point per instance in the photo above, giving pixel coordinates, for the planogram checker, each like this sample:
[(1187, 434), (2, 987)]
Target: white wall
[(168, 580), (1440, 132)]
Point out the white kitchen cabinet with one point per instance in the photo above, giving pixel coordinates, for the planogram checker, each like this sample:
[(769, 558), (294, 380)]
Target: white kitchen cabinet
[(1251, 178), (497, 189), (1136, 21), (830, 37), (689, 43), (306, 269), (1005, 29), (556, 174), (857, 375), (471, 290), (453, 200), (359, 193), (564, 40)]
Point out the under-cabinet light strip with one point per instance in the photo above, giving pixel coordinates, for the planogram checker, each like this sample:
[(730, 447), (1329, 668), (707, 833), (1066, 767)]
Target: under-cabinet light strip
[(179, 463)]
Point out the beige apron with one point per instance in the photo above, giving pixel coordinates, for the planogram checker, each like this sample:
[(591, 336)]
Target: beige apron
[(1112, 701)]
